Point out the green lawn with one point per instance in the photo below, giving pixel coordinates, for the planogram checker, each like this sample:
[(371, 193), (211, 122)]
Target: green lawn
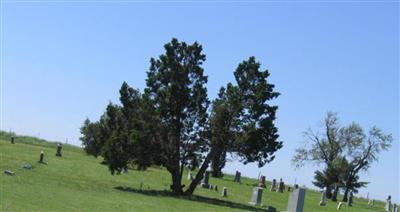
[(77, 182)]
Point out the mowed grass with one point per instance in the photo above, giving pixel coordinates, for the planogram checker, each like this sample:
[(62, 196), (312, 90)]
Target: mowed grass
[(77, 182)]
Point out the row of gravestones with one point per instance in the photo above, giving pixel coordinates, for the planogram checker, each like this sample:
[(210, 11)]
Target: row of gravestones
[(41, 158), (296, 198), (389, 207)]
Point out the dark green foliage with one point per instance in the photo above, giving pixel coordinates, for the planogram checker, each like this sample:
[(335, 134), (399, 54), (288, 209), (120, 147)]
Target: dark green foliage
[(243, 121), (169, 123), (176, 86), (91, 138)]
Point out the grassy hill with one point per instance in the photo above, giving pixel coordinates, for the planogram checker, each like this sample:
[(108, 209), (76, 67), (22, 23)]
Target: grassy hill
[(77, 182)]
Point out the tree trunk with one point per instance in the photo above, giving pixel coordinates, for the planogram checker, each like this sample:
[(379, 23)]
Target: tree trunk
[(346, 192), (176, 186), (328, 192), (199, 174)]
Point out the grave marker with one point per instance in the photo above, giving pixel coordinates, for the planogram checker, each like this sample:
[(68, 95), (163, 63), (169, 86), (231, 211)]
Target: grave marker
[(339, 206), (9, 173), (204, 181), (262, 182), (322, 202), (281, 186), (12, 140), (273, 185), (224, 192), (388, 206), (237, 177), (59, 148), (256, 196), (41, 157), (296, 200)]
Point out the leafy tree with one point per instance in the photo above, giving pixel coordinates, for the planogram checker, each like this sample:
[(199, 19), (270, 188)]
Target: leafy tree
[(350, 143), (176, 85), (243, 121), (91, 138), (169, 123), (361, 151)]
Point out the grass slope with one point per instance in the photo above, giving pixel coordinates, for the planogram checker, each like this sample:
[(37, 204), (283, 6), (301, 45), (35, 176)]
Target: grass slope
[(77, 182)]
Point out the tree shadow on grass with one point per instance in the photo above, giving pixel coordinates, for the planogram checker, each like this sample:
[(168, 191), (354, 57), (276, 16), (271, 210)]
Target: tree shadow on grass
[(195, 198)]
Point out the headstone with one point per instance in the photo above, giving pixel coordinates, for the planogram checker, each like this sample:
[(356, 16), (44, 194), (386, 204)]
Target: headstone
[(224, 192), (395, 208), (388, 205), (125, 170), (216, 188), (350, 200), (27, 166), (271, 209), (322, 202), (339, 206), (211, 187), (190, 176), (289, 189), (335, 193), (281, 186), (9, 173), (273, 185), (261, 182), (296, 200), (206, 177), (256, 196), (41, 157), (237, 177), (12, 140), (59, 148), (371, 202), (296, 186)]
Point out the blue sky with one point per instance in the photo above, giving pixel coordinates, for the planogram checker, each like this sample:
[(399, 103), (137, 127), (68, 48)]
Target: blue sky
[(64, 61)]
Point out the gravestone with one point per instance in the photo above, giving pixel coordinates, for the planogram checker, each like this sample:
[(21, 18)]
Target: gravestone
[(262, 182), (350, 200), (281, 186), (41, 157), (12, 140), (27, 166), (216, 188), (273, 185), (296, 186), (9, 173), (237, 177), (59, 148), (256, 196), (371, 202), (224, 192), (395, 208), (190, 175), (204, 181), (271, 209), (322, 202), (339, 206), (388, 206), (335, 193), (296, 200)]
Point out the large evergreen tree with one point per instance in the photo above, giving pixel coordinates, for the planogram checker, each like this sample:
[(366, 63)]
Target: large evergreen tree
[(169, 123), (243, 119)]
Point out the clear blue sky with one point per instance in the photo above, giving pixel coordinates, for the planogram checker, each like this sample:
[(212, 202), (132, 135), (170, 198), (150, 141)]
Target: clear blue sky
[(63, 62)]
